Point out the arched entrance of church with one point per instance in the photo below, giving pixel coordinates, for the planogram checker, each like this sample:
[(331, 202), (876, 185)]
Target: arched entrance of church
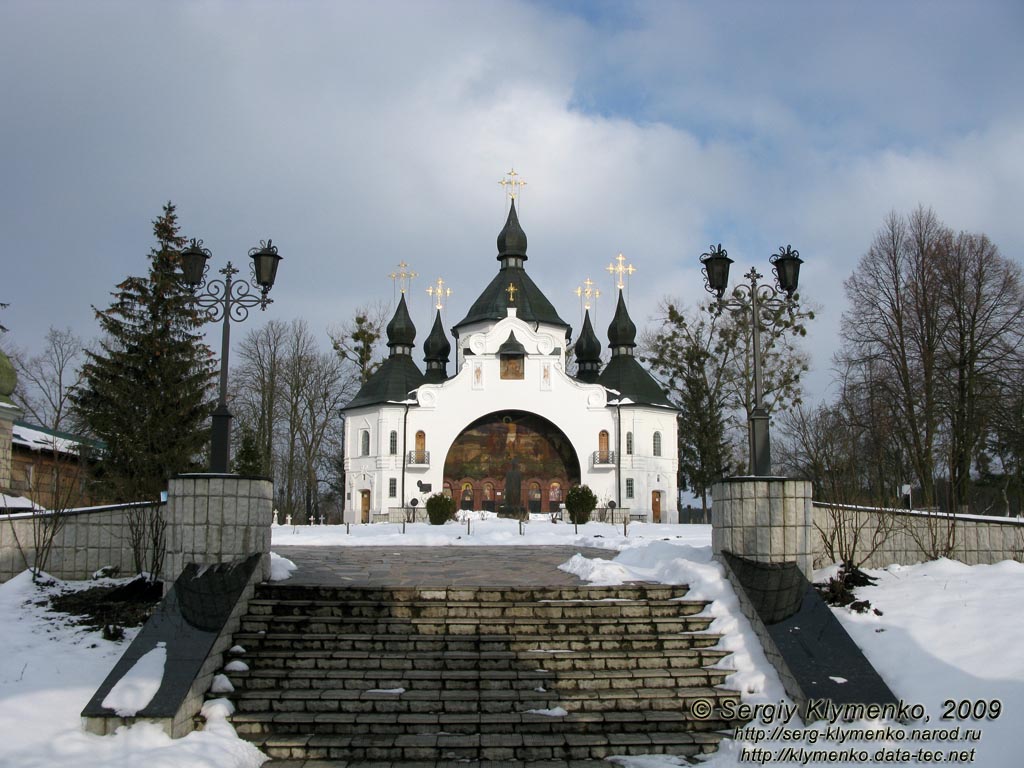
[(511, 461)]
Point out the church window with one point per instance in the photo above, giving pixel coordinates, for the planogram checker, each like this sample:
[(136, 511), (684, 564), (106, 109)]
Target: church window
[(364, 442), (602, 447), (629, 443), (629, 487), (392, 486), (393, 443), (657, 443)]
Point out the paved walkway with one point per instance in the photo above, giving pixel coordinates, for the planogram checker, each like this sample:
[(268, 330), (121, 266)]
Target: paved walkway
[(435, 566)]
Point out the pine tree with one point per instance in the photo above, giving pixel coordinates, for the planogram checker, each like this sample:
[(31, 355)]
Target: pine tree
[(147, 391)]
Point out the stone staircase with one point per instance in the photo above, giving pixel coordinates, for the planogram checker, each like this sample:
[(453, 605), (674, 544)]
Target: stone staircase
[(486, 676)]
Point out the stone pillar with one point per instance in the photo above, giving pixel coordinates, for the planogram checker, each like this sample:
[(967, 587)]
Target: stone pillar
[(217, 519), (768, 519)]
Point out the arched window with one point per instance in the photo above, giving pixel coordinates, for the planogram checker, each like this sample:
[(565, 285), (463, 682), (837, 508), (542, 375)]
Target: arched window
[(393, 443), (420, 454), (657, 443), (364, 442), (629, 443)]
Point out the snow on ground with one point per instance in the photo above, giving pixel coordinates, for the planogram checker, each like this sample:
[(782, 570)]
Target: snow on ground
[(489, 531), (49, 669), (947, 631)]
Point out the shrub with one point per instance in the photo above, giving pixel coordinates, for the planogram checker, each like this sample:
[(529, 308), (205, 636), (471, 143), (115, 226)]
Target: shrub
[(440, 509), (580, 501)]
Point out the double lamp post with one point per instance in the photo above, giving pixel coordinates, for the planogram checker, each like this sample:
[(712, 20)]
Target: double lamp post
[(763, 304), (226, 300)]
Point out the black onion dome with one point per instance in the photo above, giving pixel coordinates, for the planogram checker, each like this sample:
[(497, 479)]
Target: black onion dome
[(401, 332), (512, 346), (588, 346), (437, 347), (622, 331), (512, 238)]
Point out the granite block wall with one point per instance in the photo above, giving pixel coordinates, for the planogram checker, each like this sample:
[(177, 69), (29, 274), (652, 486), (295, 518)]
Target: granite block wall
[(768, 519), (85, 541), (217, 518), (887, 536)]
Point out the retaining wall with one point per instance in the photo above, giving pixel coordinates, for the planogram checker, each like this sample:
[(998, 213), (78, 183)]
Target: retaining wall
[(909, 537), (87, 540)]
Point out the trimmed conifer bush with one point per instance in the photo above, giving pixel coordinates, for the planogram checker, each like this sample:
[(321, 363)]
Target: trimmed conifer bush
[(440, 509), (580, 501)]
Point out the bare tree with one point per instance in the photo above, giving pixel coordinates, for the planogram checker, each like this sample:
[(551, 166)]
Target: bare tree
[(982, 313), (46, 380), (894, 325)]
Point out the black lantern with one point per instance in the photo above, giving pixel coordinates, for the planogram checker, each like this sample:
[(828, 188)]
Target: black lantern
[(193, 262), (787, 269), (716, 269), (265, 262)]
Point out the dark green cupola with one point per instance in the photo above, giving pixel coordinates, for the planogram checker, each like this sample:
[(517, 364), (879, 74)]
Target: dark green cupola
[(436, 351), (588, 352)]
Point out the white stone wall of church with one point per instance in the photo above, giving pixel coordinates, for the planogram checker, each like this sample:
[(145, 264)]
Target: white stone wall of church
[(580, 411)]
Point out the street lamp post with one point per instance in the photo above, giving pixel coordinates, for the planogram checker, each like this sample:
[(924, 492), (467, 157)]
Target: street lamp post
[(226, 300), (762, 303)]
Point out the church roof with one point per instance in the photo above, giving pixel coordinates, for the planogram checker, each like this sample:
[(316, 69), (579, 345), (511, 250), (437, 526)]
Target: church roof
[(530, 303), (631, 380), (391, 383)]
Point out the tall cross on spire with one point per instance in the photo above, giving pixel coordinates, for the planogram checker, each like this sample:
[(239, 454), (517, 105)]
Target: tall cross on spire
[(512, 184), (439, 293), (402, 276), (620, 270), (587, 293)]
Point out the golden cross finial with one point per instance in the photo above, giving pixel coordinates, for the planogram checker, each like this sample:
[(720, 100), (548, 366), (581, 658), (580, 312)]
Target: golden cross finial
[(439, 293), (512, 184), (620, 269), (587, 292), (403, 275), (511, 291)]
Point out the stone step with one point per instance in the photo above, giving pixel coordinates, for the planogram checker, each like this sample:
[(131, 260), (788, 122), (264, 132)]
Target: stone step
[(312, 593), (471, 747), (476, 608), (324, 645), (636, 721), (287, 627), (615, 659), (444, 679), (470, 701)]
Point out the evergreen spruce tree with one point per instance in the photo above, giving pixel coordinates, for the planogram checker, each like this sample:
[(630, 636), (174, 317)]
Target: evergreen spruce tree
[(147, 391)]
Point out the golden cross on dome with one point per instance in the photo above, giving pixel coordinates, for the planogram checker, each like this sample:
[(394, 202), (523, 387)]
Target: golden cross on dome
[(586, 292), (512, 184), (402, 276), (439, 293), (620, 269), (511, 291)]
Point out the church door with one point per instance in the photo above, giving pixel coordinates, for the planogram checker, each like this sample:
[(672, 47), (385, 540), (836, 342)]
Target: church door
[(656, 506), (364, 505)]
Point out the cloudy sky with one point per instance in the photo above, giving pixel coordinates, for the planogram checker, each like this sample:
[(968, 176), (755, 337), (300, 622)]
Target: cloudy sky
[(359, 135)]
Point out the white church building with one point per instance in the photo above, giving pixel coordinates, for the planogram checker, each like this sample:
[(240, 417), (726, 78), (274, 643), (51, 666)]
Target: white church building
[(510, 430)]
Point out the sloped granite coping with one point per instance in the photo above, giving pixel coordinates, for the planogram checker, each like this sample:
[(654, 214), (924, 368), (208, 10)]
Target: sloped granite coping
[(802, 638), (195, 621)]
